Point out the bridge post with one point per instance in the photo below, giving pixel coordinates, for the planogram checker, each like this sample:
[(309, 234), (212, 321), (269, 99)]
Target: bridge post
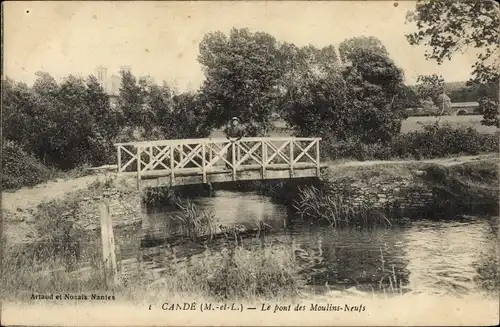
[(204, 162), (172, 177), (233, 159), (291, 158), (108, 244), (317, 159), (119, 158), (264, 158), (138, 159)]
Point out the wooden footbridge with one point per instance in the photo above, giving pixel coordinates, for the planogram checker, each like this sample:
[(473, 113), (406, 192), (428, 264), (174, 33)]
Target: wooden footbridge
[(196, 161)]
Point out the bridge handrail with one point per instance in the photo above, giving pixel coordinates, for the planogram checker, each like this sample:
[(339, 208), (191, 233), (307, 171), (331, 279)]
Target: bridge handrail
[(215, 140), (210, 155)]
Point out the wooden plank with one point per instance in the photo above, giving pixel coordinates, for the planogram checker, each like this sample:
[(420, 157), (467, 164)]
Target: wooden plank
[(305, 151), (214, 140), (233, 160), (119, 159), (108, 244), (172, 176), (138, 159), (222, 169), (318, 172), (203, 163), (264, 158), (228, 177)]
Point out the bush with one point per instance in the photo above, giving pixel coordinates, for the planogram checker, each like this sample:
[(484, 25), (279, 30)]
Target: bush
[(233, 273), (431, 142), (21, 169), (326, 206), (438, 141)]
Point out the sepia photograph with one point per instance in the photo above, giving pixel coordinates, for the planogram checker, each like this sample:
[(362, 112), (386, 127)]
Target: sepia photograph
[(250, 163)]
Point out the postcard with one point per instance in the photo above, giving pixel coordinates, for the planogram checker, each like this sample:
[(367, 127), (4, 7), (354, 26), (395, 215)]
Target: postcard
[(250, 163)]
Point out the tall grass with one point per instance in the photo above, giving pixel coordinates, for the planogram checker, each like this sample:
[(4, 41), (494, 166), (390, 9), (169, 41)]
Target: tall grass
[(233, 273), (193, 221), (323, 206)]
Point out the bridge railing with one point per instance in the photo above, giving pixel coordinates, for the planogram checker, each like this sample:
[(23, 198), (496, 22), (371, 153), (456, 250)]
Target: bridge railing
[(205, 156)]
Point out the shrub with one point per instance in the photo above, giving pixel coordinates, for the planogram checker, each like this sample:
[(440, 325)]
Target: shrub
[(322, 205), (234, 273), (433, 141), (193, 221), (353, 148), (438, 141), (21, 169)]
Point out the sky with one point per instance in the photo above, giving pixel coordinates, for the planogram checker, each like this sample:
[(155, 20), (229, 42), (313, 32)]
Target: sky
[(161, 38)]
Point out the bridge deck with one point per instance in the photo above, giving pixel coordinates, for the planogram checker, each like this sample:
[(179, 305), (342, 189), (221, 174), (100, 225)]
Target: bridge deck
[(194, 161)]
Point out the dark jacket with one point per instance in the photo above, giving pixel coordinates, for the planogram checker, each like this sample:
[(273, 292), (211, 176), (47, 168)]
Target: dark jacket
[(237, 131)]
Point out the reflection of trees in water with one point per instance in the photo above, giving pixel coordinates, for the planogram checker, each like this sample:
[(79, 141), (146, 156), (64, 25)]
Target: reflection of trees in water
[(488, 272), (352, 258), (488, 264)]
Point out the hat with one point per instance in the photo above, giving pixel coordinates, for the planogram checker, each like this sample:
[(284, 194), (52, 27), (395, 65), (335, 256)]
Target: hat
[(234, 118)]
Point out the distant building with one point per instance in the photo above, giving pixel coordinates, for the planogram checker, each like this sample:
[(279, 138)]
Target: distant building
[(111, 85), (102, 77), (115, 84), (125, 69), (457, 109)]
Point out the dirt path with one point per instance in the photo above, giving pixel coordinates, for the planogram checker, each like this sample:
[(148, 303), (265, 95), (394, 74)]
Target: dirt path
[(31, 197), (440, 161), (25, 198)]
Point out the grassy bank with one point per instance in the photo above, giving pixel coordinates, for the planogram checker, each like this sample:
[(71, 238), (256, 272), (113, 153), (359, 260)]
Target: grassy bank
[(53, 255), (468, 188)]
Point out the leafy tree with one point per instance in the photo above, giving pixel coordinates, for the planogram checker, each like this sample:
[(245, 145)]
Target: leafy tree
[(379, 93), (363, 100), (159, 107), (242, 73), (190, 115), (130, 102), (430, 86), (64, 125), (301, 66), (448, 26), (428, 107), (18, 108), (351, 49), (443, 102)]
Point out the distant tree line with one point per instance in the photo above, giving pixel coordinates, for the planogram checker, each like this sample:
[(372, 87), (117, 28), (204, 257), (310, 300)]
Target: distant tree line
[(73, 124), (351, 94)]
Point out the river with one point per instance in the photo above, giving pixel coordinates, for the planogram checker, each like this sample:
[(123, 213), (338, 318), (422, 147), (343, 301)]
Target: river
[(439, 257)]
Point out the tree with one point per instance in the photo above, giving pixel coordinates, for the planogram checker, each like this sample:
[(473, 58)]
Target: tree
[(130, 102), (190, 116), (449, 26), (443, 102), (18, 108), (351, 48), (363, 100), (106, 123), (430, 86), (65, 124), (242, 73), (379, 93)]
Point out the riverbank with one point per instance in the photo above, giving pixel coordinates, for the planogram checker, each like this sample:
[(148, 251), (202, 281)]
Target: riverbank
[(229, 265), (446, 186), (401, 190)]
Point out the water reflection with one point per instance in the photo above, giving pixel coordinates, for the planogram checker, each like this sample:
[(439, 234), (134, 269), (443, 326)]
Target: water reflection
[(439, 257)]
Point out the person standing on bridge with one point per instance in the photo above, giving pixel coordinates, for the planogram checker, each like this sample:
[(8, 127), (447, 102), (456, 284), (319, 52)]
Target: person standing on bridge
[(234, 132)]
